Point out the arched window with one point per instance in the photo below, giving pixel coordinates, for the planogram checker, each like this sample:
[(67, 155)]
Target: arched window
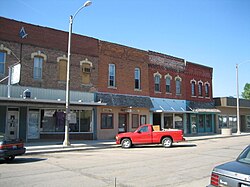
[(207, 89), (168, 83), (193, 85), (137, 78), (62, 68), (157, 81), (178, 85), (200, 84), (86, 67)]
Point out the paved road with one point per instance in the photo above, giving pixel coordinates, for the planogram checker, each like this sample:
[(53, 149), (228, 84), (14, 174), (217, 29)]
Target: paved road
[(186, 164)]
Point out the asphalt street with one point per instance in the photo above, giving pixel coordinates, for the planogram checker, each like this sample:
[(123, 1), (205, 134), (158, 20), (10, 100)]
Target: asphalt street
[(185, 164)]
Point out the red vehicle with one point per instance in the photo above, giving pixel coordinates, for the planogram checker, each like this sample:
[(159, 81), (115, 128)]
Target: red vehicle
[(145, 134)]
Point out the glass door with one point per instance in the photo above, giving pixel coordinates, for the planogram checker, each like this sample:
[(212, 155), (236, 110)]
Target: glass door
[(122, 127), (11, 132)]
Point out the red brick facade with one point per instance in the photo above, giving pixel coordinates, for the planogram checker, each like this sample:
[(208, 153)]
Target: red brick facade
[(53, 44), (126, 59)]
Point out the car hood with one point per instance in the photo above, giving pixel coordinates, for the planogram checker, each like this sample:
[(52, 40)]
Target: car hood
[(234, 169), (125, 134)]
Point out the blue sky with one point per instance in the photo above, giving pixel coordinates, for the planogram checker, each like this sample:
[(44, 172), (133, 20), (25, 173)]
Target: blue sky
[(215, 33)]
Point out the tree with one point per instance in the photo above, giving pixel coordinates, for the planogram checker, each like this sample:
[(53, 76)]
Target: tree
[(246, 92)]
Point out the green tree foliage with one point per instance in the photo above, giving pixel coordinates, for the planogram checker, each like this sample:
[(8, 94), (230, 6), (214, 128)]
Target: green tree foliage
[(246, 92)]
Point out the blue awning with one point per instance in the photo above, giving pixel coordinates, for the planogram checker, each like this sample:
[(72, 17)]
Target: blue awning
[(170, 105)]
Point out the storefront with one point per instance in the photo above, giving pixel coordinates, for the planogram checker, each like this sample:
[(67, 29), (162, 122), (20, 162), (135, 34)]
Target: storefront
[(228, 116), (42, 117), (191, 117), (123, 113)]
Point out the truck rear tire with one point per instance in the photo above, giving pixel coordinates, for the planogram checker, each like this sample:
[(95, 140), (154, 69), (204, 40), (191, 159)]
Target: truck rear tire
[(167, 142), (126, 143)]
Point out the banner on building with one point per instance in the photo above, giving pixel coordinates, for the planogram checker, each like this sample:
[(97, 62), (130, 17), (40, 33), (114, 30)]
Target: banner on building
[(15, 74)]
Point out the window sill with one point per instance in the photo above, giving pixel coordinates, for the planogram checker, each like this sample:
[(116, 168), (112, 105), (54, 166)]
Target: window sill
[(194, 96), (168, 93), (137, 90), (112, 87), (157, 92)]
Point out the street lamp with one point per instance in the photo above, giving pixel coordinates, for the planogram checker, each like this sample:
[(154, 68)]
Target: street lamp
[(71, 18), (238, 101)]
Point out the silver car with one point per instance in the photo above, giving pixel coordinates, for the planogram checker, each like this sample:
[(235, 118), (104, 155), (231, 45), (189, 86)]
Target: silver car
[(233, 174)]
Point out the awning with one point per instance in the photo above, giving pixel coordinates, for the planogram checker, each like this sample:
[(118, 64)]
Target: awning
[(208, 110), (169, 105), (119, 100)]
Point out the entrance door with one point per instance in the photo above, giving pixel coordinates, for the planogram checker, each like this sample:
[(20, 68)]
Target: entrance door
[(201, 123), (122, 127), (12, 124), (209, 123), (33, 126)]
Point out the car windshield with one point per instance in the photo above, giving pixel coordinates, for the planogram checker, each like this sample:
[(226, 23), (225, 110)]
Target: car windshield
[(245, 156)]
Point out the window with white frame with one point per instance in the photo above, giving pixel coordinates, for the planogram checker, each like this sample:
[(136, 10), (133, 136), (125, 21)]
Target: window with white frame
[(137, 78), (111, 75), (38, 67), (200, 88), (157, 83), (2, 62), (178, 85), (193, 92), (168, 84), (207, 90)]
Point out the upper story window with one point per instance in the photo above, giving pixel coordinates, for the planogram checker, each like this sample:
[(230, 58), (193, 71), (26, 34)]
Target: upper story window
[(3, 52), (200, 84), (207, 89), (168, 83), (2, 62), (137, 78), (86, 67), (178, 85), (157, 83), (62, 68), (38, 68), (193, 90), (39, 59), (111, 75)]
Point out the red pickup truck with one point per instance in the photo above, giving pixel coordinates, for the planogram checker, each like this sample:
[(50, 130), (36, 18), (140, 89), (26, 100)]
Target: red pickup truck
[(145, 134)]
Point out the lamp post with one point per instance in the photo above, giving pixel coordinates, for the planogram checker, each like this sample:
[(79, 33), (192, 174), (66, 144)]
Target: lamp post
[(71, 19), (238, 100)]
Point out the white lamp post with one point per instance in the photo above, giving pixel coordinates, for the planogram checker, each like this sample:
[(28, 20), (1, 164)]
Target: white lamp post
[(238, 101), (71, 18)]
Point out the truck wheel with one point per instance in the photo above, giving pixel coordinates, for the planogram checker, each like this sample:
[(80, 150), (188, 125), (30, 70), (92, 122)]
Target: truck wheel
[(126, 143), (9, 158), (167, 142)]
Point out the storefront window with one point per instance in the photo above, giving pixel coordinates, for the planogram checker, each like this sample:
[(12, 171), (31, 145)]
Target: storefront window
[(168, 121), (178, 121), (248, 121), (54, 121), (232, 122), (107, 121), (193, 124), (222, 121)]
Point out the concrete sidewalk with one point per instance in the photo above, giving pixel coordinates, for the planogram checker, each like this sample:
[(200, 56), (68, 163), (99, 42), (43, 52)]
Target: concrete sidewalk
[(41, 147)]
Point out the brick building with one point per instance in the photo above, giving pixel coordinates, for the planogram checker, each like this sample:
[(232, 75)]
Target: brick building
[(114, 88), (42, 54)]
